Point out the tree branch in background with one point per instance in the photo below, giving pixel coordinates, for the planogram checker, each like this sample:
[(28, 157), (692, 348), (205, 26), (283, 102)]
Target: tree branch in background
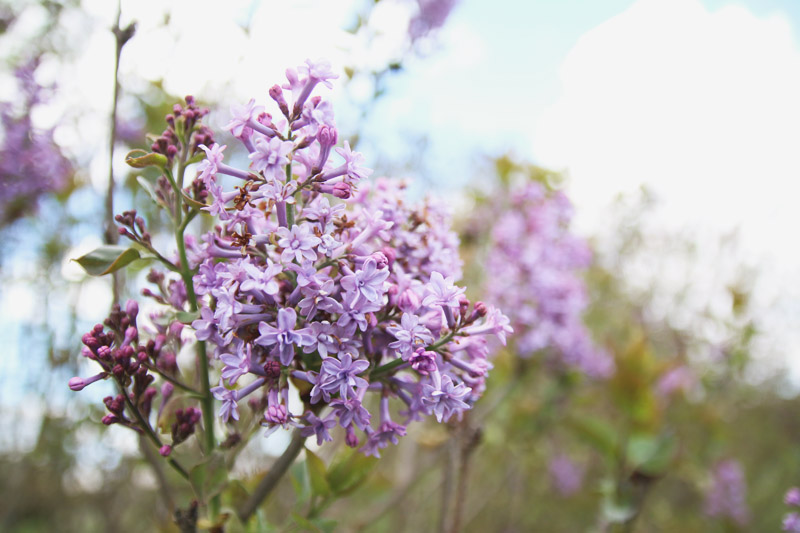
[(121, 36), (270, 481)]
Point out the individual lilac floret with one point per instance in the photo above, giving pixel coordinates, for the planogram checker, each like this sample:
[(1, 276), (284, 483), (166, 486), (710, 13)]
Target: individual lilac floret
[(262, 279), (445, 398), (298, 244), (229, 408), (442, 291), (388, 432), (792, 497), (351, 412), (208, 166), (339, 375), (410, 335), (242, 116), (284, 336), (366, 283), (318, 427), (237, 365), (270, 157)]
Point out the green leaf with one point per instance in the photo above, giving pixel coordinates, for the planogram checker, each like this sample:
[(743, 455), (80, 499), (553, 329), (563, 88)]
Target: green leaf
[(316, 474), (197, 478), (191, 202), (107, 259), (187, 317), (651, 454), (305, 524), (598, 433), (347, 474), (326, 525), (209, 478), (142, 159), (145, 184)]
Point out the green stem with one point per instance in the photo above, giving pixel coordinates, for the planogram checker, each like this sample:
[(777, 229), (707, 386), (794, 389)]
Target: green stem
[(385, 369), (152, 435), (289, 207), (207, 400)]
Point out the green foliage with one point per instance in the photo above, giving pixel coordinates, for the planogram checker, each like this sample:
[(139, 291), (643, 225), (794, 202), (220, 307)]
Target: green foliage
[(107, 259)]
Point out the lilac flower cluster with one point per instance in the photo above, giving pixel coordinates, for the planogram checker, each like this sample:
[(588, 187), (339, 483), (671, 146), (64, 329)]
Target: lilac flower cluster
[(31, 164), (316, 278), (791, 522), (432, 14), (533, 270), (727, 494), (116, 346), (566, 476), (314, 281)]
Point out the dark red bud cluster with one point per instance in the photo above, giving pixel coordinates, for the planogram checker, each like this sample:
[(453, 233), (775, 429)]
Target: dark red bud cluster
[(133, 227), (184, 425)]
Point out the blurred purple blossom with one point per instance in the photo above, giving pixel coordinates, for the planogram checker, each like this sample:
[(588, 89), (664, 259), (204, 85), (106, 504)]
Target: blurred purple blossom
[(726, 497)]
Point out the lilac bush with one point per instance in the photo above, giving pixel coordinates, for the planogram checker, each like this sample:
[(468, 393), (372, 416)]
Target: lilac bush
[(31, 163), (534, 270), (313, 282)]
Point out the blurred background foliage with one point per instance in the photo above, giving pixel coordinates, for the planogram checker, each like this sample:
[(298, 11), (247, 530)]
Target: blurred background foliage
[(546, 448)]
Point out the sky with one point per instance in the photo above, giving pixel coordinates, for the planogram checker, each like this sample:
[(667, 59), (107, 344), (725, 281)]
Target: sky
[(695, 99)]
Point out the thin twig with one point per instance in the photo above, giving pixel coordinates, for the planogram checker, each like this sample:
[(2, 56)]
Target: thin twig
[(121, 36), (271, 479), (161, 478), (448, 473), (469, 438)]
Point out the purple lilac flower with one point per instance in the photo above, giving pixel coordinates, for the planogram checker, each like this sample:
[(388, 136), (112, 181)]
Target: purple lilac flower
[(442, 292), (410, 335), (432, 15), (262, 279), (791, 523), (208, 166), (351, 412), (318, 427), (340, 375), (388, 432), (356, 277), (298, 244), (533, 271), (237, 365), (366, 283), (31, 163), (443, 397), (727, 495), (270, 156), (229, 408), (285, 337), (242, 116), (565, 475)]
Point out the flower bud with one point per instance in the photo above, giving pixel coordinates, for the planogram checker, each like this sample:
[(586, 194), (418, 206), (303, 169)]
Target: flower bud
[(341, 190), (132, 309), (165, 450)]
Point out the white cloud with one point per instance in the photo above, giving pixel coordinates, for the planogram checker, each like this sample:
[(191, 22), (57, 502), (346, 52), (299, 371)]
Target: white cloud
[(700, 105), (703, 107)]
